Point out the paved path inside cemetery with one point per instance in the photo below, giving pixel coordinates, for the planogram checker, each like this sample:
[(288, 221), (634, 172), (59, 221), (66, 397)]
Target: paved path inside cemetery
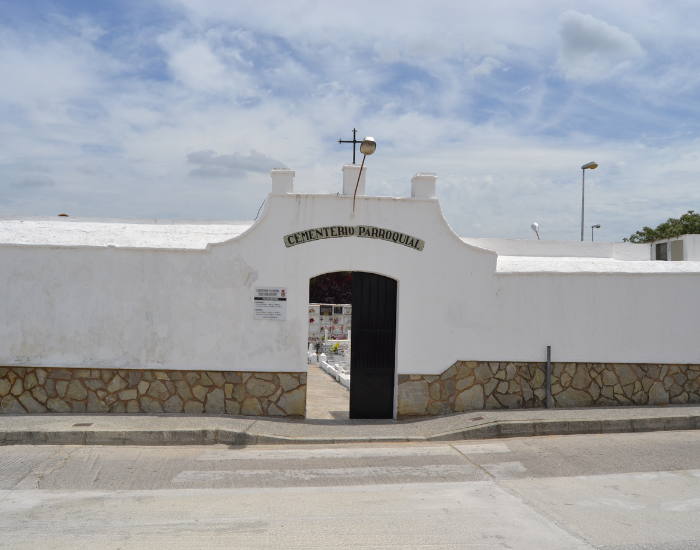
[(139, 429), (634, 491), (325, 398)]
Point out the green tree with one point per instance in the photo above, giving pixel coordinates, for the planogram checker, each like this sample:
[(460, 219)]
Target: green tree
[(331, 288), (687, 224)]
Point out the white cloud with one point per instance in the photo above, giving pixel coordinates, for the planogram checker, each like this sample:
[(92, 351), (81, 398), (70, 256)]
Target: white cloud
[(232, 166), (210, 62), (36, 167), (590, 49), (32, 182), (432, 45), (484, 68), (196, 66), (89, 168), (388, 53), (51, 69), (290, 81), (616, 168)]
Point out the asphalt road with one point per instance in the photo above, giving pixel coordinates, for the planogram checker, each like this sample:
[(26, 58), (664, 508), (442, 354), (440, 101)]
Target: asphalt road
[(619, 491)]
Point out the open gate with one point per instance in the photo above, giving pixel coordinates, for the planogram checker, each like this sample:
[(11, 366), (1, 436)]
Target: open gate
[(373, 358)]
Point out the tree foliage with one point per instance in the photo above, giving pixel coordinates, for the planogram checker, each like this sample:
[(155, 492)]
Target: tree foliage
[(331, 288), (687, 224)]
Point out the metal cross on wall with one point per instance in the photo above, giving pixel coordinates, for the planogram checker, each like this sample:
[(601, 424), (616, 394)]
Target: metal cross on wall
[(354, 143)]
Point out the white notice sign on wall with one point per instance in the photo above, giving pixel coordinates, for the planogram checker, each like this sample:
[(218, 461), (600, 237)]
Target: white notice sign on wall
[(270, 303)]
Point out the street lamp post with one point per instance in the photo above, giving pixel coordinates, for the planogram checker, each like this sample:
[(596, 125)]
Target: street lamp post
[(597, 226), (592, 166), (367, 147)]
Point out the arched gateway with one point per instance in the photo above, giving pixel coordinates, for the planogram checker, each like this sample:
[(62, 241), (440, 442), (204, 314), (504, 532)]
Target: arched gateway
[(188, 317)]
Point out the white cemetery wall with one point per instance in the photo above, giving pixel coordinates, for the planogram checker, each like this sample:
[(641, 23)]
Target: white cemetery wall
[(570, 249), (171, 309)]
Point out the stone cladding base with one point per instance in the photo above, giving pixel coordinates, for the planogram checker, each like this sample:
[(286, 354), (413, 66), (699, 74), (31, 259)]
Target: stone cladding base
[(475, 385), (36, 390)]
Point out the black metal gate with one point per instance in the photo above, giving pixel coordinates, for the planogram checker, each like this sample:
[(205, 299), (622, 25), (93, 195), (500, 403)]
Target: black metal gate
[(373, 356)]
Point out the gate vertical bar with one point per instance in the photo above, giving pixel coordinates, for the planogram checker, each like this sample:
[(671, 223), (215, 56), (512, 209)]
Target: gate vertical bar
[(549, 377)]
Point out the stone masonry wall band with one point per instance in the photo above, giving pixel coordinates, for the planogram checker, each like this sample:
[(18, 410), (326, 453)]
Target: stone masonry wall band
[(474, 385), (466, 385), (37, 390)]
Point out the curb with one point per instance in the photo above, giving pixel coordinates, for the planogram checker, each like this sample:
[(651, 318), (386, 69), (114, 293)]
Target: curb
[(492, 430), (526, 428)]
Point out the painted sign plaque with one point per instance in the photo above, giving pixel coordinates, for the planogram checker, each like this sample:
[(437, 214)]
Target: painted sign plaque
[(270, 303), (363, 231)]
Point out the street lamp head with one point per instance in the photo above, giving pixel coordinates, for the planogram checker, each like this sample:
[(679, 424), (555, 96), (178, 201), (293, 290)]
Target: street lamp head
[(596, 226), (368, 146), (591, 165)]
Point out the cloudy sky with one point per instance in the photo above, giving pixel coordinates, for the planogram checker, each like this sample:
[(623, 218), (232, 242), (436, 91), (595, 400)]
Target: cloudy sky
[(180, 109)]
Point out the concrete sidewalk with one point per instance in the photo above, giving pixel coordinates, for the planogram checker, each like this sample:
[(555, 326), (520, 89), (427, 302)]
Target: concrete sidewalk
[(112, 429)]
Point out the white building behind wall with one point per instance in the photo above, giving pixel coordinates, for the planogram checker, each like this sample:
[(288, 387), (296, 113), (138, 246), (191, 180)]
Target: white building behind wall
[(165, 296), (685, 248)]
